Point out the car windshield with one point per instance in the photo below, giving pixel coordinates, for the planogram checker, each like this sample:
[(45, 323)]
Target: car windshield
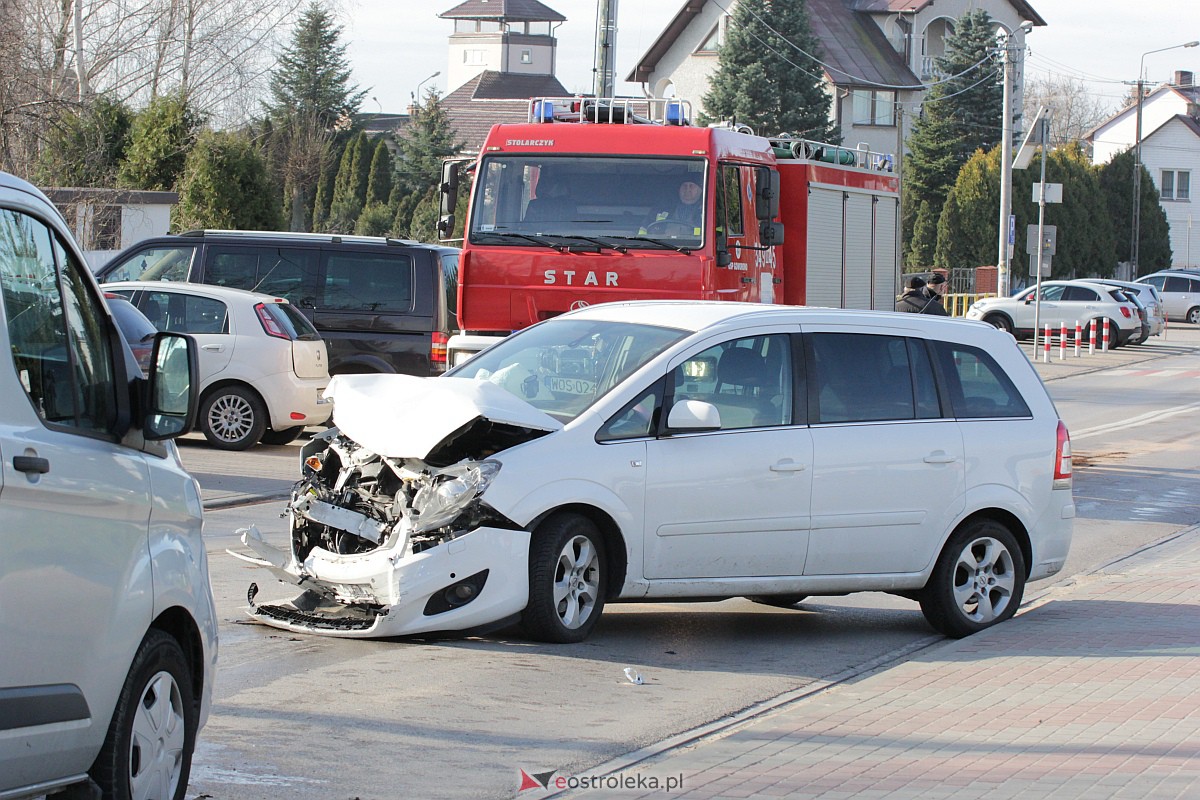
[(562, 367), (558, 201)]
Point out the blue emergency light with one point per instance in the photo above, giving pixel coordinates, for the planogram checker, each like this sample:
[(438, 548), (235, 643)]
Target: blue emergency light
[(674, 114), (543, 111)]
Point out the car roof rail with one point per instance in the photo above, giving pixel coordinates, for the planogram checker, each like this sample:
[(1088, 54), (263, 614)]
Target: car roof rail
[(334, 238)]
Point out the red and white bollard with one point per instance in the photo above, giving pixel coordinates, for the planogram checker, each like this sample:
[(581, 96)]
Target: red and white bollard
[(1104, 348), (1062, 342), (1078, 337), (1046, 345), (1092, 337)]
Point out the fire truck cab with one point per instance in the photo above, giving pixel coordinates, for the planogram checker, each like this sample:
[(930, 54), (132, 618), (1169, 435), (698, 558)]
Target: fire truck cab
[(595, 201)]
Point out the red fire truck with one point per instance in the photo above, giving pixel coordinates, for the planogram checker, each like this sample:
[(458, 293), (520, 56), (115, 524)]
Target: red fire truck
[(594, 201)]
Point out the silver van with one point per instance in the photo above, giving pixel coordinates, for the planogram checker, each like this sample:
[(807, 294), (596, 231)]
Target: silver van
[(108, 634)]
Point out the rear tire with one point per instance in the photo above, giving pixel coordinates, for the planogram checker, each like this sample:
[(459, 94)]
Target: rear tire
[(978, 581), (148, 749), (232, 418), (1193, 316), (566, 580), (285, 436)]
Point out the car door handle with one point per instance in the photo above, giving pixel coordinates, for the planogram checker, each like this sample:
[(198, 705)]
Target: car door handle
[(31, 464), (940, 458), (213, 348), (788, 466)]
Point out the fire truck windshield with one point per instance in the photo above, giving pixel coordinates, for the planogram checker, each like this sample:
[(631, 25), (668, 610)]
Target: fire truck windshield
[(618, 202)]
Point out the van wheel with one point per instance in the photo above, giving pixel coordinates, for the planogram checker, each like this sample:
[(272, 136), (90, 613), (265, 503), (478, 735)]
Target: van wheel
[(999, 321), (232, 418), (1193, 316), (978, 581), (777, 600), (566, 580), (148, 749), (285, 436)]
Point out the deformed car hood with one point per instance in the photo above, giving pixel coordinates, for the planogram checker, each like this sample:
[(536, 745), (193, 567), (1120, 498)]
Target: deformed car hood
[(403, 416)]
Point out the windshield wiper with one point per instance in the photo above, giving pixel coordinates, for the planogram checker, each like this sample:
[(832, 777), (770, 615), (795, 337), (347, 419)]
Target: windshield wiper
[(513, 235), (659, 242), (594, 240)]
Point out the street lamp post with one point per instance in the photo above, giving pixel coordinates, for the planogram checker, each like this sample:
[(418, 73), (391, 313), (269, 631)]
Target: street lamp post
[(1135, 233), (417, 96)]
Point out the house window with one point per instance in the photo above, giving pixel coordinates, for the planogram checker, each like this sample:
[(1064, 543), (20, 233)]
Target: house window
[(711, 42), (474, 58), (1175, 185), (874, 107), (526, 56)]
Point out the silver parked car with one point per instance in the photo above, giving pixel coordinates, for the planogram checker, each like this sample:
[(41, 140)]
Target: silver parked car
[(1180, 293), (1148, 297)]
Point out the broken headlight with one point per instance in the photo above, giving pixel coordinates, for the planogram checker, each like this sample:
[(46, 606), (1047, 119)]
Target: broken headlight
[(442, 500)]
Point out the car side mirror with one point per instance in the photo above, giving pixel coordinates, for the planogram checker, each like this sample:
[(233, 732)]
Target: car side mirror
[(171, 388), (693, 416)]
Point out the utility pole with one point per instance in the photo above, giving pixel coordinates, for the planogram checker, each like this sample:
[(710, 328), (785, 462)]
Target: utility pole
[(605, 66), (1010, 57)]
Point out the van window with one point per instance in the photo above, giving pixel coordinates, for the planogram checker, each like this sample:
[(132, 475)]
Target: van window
[(1176, 283), (57, 330), (857, 377), (155, 264), (368, 282), (281, 272), (978, 387), (450, 279)]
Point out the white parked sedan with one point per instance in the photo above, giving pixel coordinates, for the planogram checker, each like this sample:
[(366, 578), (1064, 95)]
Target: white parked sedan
[(263, 367), (680, 450), (1063, 303)]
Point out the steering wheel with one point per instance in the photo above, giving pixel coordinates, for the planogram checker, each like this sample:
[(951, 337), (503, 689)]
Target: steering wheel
[(669, 226)]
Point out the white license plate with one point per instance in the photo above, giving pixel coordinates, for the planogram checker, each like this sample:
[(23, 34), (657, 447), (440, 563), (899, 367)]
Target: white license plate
[(570, 385)]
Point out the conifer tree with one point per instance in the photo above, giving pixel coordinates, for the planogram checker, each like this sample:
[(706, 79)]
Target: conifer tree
[(313, 74), (1154, 240), (423, 144), (960, 115), (159, 140), (225, 184), (379, 184), (766, 74)]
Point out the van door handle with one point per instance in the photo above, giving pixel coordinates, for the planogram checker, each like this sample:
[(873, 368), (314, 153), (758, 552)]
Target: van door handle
[(940, 457), (213, 348), (787, 465), (31, 464)]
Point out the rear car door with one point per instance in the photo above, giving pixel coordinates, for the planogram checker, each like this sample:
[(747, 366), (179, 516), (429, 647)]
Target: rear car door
[(206, 318), (888, 460), (74, 510)]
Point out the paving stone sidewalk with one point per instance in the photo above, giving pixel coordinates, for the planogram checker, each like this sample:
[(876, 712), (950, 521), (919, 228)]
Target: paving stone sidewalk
[(1092, 693)]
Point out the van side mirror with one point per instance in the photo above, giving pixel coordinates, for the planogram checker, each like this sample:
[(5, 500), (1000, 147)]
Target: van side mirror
[(171, 388), (770, 233), (722, 249), (767, 188)]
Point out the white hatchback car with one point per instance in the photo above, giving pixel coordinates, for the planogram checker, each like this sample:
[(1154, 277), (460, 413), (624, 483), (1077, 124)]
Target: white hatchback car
[(1063, 303), (108, 634), (263, 366), (634, 451)]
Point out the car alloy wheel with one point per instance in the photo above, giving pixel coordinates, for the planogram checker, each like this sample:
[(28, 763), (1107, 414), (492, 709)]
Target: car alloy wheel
[(566, 580), (978, 581), (1193, 316), (232, 418)]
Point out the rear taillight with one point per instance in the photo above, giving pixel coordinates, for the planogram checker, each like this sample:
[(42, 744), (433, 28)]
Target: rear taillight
[(1125, 311), (1062, 458), (269, 323), (437, 349)]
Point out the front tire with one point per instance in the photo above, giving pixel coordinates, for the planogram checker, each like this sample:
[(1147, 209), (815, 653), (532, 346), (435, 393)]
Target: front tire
[(999, 321), (148, 749), (566, 580), (1193, 316), (232, 418), (978, 581)]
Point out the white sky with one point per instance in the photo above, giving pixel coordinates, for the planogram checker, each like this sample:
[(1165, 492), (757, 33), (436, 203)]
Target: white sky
[(395, 44)]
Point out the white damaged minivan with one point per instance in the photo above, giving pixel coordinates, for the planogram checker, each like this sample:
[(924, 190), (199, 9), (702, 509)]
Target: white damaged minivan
[(679, 450)]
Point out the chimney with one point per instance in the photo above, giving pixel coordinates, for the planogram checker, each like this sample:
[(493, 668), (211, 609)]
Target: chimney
[(1183, 79)]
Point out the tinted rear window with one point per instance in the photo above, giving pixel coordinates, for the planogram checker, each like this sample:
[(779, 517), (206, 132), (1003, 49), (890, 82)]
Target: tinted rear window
[(283, 272), (292, 321), (368, 282), (978, 386)]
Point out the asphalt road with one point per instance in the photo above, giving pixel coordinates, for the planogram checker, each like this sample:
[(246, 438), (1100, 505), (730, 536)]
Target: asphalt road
[(311, 717)]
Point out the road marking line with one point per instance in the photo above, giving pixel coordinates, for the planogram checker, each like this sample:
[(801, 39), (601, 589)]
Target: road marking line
[(1133, 422)]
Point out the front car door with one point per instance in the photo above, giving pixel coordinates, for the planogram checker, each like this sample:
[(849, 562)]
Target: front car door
[(74, 509), (888, 467), (732, 502)]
